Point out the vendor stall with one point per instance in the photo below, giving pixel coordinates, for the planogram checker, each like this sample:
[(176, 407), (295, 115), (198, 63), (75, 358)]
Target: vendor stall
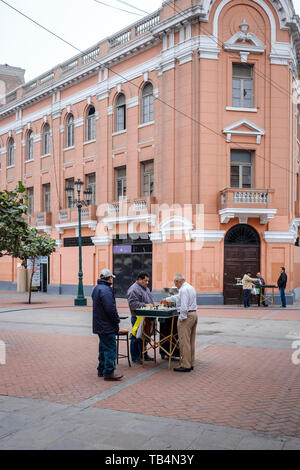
[(153, 337), (267, 297)]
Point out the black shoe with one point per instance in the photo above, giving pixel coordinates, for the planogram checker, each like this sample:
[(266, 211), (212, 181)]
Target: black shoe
[(113, 377), (138, 361), (181, 369)]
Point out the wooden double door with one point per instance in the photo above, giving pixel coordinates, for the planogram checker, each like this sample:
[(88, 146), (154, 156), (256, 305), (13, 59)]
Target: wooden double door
[(241, 254)]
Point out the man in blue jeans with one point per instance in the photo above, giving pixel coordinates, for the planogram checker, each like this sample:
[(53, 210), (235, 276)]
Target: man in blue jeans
[(106, 325), (281, 283)]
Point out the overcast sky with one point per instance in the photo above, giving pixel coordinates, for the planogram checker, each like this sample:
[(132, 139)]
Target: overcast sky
[(82, 23)]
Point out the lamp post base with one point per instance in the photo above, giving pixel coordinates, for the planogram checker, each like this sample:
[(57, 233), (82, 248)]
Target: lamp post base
[(80, 302)]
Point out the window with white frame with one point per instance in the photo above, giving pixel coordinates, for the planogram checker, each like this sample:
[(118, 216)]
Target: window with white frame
[(147, 103), (147, 178), (120, 123), (91, 184), (120, 175), (29, 146), (241, 171), (90, 123), (46, 139), (70, 131), (46, 197), (30, 195), (242, 85), (11, 152)]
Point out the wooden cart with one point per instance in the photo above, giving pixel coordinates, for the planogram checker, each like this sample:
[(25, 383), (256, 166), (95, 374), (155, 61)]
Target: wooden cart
[(267, 297), (151, 341)]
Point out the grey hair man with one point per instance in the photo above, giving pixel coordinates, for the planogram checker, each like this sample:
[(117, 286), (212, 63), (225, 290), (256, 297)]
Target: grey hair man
[(187, 322)]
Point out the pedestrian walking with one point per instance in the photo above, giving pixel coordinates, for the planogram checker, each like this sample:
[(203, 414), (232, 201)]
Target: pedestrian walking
[(247, 287), (139, 295), (106, 325), (186, 304), (281, 283)]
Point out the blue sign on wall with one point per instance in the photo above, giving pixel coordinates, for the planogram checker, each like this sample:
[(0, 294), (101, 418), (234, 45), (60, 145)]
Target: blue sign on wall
[(118, 249)]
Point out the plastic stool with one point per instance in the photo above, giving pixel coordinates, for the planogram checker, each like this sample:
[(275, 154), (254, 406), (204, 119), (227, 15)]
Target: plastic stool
[(123, 336)]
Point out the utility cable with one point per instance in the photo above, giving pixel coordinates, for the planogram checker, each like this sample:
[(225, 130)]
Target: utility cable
[(117, 8), (132, 6)]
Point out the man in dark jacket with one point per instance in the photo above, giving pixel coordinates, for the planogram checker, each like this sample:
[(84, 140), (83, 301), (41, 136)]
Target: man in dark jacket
[(106, 325), (281, 283), (139, 295)]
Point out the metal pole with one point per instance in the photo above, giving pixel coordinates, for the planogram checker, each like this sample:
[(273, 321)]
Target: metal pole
[(80, 300)]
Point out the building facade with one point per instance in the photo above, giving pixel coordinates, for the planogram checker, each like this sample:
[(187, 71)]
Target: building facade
[(185, 126)]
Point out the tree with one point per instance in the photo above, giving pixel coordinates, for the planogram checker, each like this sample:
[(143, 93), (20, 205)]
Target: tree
[(17, 238), (32, 247), (13, 226)]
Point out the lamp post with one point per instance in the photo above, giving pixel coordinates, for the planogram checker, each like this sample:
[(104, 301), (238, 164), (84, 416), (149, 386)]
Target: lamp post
[(80, 300)]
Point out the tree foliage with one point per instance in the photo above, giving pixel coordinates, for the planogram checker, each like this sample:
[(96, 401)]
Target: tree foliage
[(17, 238), (34, 246), (13, 226)]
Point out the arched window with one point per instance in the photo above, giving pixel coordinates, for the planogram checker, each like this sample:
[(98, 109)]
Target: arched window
[(70, 131), (147, 103), (90, 123), (11, 152), (46, 139), (120, 113), (29, 145)]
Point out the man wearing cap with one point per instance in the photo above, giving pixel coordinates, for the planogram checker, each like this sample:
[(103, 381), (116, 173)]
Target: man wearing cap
[(106, 325), (247, 286)]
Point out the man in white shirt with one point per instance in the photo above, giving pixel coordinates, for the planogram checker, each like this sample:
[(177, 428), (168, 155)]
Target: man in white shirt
[(187, 322)]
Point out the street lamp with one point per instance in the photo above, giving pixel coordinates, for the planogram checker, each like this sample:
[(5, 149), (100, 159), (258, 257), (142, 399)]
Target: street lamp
[(80, 299)]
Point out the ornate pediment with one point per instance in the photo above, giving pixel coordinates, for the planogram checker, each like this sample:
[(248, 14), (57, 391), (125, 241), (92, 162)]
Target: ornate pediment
[(243, 127), (244, 42)]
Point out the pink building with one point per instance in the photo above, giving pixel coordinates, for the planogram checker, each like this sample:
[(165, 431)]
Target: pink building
[(185, 125)]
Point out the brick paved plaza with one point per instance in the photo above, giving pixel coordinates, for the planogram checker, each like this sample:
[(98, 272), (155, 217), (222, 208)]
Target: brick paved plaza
[(244, 392)]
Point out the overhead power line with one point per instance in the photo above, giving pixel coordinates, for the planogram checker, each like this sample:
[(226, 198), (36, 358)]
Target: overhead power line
[(132, 6), (117, 8)]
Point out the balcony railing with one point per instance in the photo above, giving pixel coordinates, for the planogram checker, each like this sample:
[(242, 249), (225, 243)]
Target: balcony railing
[(132, 206), (120, 39), (147, 24), (43, 218), (71, 214), (239, 196)]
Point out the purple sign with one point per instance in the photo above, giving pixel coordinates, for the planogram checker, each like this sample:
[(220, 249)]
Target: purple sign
[(122, 249)]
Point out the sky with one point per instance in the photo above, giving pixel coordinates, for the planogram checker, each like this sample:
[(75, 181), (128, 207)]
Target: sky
[(82, 23)]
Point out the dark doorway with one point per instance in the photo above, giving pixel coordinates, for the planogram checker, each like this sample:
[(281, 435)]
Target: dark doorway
[(130, 256), (241, 253)]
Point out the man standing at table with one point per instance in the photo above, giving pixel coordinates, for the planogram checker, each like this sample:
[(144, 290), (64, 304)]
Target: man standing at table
[(139, 295), (186, 305), (247, 286), (106, 325), (281, 283)]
